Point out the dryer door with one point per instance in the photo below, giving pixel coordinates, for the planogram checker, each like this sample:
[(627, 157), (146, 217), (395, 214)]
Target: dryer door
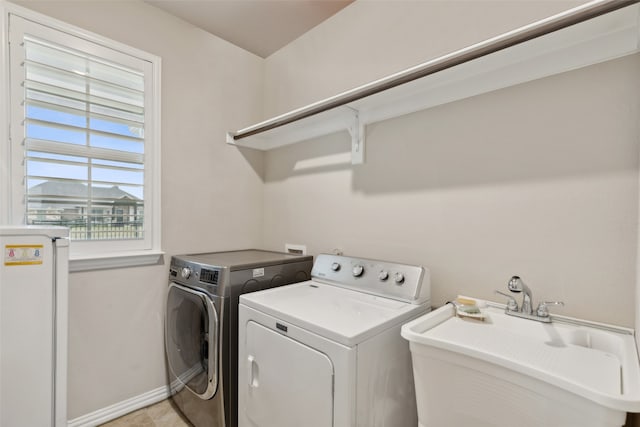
[(288, 383), (192, 341)]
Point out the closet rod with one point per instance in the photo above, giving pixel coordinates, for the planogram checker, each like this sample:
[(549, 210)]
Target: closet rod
[(537, 29)]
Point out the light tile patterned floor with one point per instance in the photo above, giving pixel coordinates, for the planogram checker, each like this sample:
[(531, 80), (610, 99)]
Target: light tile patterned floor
[(162, 414)]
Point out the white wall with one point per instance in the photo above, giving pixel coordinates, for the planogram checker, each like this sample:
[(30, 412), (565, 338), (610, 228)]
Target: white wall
[(211, 195), (539, 180)]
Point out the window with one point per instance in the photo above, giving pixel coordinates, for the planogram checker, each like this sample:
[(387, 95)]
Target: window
[(84, 138)]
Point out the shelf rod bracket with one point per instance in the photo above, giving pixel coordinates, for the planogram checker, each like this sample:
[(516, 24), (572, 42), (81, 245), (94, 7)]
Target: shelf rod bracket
[(356, 130)]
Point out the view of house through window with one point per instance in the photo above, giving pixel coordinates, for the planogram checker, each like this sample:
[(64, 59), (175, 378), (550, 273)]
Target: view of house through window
[(84, 141)]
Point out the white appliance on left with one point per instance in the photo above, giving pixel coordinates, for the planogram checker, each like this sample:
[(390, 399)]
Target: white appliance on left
[(33, 326)]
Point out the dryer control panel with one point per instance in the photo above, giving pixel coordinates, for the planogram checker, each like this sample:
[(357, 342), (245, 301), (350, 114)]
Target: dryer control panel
[(403, 282)]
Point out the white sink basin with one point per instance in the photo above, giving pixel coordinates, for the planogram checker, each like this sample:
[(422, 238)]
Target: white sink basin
[(566, 373)]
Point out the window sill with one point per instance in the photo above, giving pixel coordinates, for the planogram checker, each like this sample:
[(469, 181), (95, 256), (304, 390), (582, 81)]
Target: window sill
[(115, 260)]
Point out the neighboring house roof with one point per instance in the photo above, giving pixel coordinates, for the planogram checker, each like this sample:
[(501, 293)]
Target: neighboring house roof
[(76, 189)]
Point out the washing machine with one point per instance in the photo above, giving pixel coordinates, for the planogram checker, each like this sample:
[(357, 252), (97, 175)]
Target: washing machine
[(328, 352), (201, 325)]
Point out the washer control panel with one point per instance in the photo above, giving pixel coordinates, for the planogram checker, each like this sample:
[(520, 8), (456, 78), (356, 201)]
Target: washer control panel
[(409, 283), (193, 274)]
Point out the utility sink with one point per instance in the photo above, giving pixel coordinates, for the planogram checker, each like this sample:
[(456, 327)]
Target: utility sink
[(507, 370)]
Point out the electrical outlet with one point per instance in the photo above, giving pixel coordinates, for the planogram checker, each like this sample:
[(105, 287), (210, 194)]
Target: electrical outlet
[(290, 248)]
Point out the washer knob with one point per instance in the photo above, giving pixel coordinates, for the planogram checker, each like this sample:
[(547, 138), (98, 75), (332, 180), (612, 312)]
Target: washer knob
[(398, 278), (383, 275), (358, 270), (335, 266), (185, 272)]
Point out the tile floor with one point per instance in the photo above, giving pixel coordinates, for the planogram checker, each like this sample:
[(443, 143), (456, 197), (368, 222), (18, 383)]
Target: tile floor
[(162, 414)]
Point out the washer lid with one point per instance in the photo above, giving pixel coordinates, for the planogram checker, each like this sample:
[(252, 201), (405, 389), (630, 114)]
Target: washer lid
[(342, 315)]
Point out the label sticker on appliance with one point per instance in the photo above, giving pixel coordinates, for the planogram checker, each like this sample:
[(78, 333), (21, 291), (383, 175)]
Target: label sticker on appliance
[(258, 272), (23, 254)]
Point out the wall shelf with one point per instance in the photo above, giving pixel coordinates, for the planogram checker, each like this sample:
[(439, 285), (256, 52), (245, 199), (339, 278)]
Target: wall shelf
[(595, 32)]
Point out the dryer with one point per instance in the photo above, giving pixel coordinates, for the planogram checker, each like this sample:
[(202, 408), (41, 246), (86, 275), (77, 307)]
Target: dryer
[(328, 352)]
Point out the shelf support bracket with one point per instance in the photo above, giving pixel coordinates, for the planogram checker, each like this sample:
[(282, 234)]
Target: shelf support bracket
[(230, 139), (356, 130)]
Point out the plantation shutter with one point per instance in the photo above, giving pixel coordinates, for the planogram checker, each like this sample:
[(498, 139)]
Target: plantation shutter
[(84, 141)]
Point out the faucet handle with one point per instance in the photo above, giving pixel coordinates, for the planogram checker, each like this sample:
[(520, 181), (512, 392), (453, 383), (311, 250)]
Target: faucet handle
[(543, 310), (512, 305)]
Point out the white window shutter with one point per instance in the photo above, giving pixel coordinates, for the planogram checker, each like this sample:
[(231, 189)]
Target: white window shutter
[(80, 136)]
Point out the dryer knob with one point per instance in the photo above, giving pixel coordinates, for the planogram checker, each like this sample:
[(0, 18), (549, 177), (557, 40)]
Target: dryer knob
[(383, 275), (399, 278), (185, 272), (358, 270), (335, 266)]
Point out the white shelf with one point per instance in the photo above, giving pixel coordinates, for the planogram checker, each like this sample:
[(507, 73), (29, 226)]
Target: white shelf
[(602, 38)]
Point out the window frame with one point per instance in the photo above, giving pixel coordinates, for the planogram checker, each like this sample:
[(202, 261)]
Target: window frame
[(84, 255)]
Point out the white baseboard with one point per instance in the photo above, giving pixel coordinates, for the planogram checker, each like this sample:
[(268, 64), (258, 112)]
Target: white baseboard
[(121, 408)]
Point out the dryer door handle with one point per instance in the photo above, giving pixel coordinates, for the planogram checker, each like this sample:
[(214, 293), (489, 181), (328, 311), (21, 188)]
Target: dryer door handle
[(253, 372)]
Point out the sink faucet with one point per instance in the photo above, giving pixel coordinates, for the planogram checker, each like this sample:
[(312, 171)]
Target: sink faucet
[(526, 311), (517, 285)]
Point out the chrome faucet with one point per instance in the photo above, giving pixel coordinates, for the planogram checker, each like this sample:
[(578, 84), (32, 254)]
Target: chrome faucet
[(517, 285), (526, 311)]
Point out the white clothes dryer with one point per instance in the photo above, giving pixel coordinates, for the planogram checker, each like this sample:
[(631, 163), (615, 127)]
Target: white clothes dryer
[(328, 352)]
